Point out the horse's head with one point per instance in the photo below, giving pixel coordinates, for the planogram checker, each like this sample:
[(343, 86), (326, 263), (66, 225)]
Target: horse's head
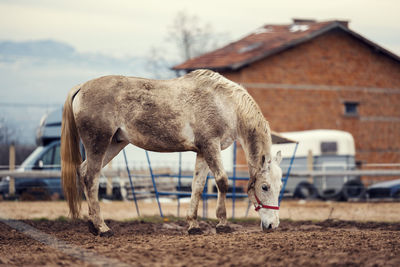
[(263, 191)]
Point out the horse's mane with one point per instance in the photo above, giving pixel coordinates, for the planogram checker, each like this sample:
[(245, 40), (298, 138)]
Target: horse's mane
[(247, 109)]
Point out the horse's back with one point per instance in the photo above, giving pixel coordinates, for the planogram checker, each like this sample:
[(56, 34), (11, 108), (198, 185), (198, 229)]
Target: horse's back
[(159, 115)]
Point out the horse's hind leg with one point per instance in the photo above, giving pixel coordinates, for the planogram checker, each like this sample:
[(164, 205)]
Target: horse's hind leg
[(199, 180), (89, 175), (113, 149)]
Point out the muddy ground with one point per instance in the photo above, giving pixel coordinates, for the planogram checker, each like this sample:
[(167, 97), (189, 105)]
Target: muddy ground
[(139, 243), (331, 240)]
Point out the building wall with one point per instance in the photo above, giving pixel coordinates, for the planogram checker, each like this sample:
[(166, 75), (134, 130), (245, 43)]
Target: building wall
[(305, 88)]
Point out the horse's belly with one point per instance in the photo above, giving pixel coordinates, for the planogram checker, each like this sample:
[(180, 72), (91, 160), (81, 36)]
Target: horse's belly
[(157, 146), (161, 141)]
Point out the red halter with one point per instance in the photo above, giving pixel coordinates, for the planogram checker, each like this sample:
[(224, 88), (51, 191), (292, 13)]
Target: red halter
[(262, 206)]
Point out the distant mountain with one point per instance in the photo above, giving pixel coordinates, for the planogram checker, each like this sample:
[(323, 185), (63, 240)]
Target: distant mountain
[(35, 77), (42, 48), (49, 51)]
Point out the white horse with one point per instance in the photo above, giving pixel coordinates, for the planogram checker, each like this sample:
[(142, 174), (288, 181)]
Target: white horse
[(201, 112)]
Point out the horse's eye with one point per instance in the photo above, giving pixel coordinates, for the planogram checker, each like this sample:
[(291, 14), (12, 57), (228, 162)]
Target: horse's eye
[(264, 187)]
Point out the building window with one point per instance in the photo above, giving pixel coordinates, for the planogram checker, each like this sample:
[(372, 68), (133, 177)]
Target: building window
[(351, 108)]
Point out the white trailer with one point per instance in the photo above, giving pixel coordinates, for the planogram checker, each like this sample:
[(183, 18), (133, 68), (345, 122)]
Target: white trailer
[(319, 150)]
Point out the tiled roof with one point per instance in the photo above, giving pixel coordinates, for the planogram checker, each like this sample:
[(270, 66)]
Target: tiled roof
[(266, 41)]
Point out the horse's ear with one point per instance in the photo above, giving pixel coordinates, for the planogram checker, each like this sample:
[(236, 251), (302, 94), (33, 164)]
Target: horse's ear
[(278, 157), (263, 159), (251, 183)]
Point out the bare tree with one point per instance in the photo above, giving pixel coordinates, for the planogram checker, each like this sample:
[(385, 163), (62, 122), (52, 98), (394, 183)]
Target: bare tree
[(8, 132), (190, 37), (157, 64)]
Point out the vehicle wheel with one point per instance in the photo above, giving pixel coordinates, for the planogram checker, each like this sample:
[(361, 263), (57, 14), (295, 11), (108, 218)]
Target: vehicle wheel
[(331, 194), (102, 192), (305, 190), (35, 193), (116, 193), (353, 189), (55, 196), (396, 195)]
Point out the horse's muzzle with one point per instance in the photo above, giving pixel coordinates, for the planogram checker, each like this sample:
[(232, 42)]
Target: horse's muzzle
[(268, 227)]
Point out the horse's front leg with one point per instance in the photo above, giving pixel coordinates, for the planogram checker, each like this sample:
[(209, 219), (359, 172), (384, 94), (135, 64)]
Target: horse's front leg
[(222, 186), (199, 180), (214, 162)]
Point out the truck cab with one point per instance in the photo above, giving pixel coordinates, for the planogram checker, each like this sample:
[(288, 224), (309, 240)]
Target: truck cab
[(45, 157)]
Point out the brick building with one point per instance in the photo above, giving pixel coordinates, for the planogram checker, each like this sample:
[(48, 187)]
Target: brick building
[(318, 75)]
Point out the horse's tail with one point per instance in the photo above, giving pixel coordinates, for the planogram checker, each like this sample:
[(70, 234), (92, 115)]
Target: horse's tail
[(70, 156)]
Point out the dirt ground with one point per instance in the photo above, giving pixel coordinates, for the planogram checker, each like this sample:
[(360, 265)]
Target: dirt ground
[(331, 240), (327, 243), (290, 209)]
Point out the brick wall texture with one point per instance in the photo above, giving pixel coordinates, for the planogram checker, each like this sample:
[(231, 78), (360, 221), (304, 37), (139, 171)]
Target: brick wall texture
[(305, 88)]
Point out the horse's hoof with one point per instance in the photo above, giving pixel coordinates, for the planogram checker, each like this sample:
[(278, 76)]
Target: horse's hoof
[(109, 233), (223, 229), (92, 228), (195, 231)]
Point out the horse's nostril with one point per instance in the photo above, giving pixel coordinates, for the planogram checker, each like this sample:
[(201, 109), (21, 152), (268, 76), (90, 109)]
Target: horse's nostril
[(266, 227)]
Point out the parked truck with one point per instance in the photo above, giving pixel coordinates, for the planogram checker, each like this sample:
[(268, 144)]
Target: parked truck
[(47, 157)]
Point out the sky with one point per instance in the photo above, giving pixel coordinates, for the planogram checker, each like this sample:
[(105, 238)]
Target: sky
[(130, 27), (116, 37)]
